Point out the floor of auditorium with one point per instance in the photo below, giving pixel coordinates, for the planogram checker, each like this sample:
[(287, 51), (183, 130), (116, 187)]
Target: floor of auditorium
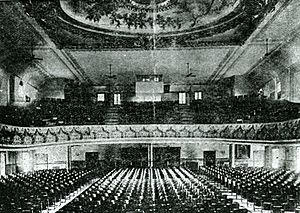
[(155, 190)]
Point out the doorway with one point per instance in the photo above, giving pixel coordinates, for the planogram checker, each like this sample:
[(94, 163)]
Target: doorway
[(166, 156), (134, 157), (209, 158), (91, 159)]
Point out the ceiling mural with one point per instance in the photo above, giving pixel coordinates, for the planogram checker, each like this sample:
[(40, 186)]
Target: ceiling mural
[(148, 24), (149, 17)]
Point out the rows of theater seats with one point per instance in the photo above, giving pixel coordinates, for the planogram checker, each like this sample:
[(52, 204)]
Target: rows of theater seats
[(232, 110), (272, 190), (247, 110), (50, 112), (36, 191), (152, 190)]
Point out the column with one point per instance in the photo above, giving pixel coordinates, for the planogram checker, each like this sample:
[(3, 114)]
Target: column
[(232, 155), (69, 158), (275, 86), (290, 86), (32, 160), (189, 96), (150, 156), (2, 163)]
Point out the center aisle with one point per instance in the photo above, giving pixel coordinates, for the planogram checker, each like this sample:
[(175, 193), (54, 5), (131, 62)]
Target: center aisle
[(152, 190)]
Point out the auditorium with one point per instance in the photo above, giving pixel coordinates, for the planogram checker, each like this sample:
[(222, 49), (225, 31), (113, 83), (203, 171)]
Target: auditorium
[(143, 106)]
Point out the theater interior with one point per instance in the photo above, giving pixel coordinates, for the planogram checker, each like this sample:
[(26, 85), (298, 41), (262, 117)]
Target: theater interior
[(149, 106)]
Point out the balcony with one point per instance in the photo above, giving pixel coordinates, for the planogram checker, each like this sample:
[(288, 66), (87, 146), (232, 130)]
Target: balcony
[(279, 132)]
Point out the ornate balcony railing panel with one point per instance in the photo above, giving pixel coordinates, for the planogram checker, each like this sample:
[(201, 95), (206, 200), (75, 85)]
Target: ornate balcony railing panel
[(13, 135)]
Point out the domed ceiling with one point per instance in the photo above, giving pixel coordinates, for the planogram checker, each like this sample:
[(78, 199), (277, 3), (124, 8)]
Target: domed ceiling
[(140, 37), (164, 17), (148, 24)]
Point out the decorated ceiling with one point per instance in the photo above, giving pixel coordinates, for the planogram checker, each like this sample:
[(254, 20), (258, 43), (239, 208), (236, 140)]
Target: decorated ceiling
[(149, 17), (148, 24), (76, 39)]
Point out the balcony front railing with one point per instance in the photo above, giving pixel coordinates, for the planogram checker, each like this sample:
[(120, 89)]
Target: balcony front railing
[(13, 135)]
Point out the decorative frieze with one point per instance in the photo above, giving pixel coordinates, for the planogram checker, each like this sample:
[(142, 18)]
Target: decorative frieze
[(31, 135)]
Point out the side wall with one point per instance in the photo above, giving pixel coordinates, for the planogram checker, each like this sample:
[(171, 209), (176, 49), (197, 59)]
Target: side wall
[(75, 156)]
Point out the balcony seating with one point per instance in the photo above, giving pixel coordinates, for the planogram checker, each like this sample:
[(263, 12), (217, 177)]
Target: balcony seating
[(67, 113), (61, 112), (50, 112), (152, 190), (34, 192), (246, 110), (273, 190)]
